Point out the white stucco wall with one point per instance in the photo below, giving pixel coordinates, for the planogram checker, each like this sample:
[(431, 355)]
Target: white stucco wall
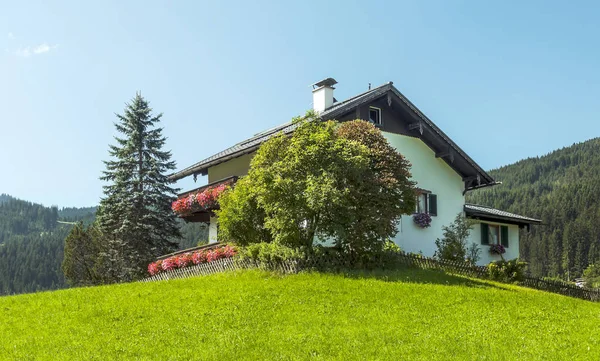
[(237, 166), (512, 251), (212, 230), (435, 175)]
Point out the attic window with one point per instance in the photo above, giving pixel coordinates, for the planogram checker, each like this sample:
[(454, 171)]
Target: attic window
[(375, 115)]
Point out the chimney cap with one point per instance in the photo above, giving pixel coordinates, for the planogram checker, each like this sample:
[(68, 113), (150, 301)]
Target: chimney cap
[(329, 82)]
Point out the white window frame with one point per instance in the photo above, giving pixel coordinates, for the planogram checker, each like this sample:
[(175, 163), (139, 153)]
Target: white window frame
[(379, 113), (499, 233), (425, 195)]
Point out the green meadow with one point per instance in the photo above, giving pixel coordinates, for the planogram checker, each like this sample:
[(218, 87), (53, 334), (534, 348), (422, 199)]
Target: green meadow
[(254, 315)]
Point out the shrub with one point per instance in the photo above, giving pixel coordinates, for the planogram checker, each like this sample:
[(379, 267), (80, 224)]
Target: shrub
[(326, 258), (473, 253), (591, 275), (507, 271), (267, 253), (453, 246)]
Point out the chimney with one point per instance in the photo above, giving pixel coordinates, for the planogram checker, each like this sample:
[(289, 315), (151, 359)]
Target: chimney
[(323, 94)]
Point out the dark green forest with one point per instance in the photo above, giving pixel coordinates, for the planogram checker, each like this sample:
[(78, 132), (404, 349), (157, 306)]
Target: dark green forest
[(563, 190), (32, 243)]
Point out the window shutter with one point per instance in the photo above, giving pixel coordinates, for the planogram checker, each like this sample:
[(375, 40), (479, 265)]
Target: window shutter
[(485, 237), (433, 204), (504, 236)]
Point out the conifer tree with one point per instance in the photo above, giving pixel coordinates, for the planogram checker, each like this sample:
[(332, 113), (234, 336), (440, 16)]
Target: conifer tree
[(135, 214), (81, 255)]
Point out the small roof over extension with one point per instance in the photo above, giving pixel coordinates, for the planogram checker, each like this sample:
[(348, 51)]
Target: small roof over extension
[(491, 214)]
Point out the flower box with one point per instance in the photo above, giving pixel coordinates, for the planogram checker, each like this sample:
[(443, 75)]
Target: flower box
[(422, 220), (204, 200), (191, 258)]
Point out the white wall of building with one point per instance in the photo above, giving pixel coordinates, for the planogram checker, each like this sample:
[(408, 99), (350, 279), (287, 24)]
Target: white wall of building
[(512, 251), (212, 230), (432, 174), (237, 166)]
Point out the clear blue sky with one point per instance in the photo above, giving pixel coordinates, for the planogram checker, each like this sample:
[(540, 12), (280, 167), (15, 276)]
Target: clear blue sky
[(505, 79)]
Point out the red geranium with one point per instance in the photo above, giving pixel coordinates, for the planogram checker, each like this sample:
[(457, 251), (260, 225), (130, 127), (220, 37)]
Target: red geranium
[(191, 258), (204, 200)]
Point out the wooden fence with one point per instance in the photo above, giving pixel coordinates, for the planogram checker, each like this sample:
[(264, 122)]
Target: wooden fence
[(223, 265), (412, 260)]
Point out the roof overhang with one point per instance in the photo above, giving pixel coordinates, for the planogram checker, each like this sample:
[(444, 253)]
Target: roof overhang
[(489, 214)]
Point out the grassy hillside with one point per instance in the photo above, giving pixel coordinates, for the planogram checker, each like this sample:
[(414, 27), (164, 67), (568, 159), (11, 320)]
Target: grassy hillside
[(252, 315), (563, 189)]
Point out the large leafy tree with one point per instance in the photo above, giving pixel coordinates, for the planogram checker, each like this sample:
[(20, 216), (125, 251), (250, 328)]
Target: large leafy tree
[(322, 181), (383, 194), (135, 215)]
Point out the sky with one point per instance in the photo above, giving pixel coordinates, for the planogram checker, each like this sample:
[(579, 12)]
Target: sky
[(506, 80)]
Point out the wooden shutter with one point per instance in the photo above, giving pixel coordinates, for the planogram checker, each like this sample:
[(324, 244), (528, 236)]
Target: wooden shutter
[(504, 236), (433, 204), (485, 236)]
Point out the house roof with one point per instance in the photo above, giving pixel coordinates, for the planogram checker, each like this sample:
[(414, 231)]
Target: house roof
[(478, 211), (336, 110)]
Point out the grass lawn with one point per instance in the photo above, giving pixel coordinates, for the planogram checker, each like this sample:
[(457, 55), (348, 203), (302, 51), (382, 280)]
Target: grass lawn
[(253, 315)]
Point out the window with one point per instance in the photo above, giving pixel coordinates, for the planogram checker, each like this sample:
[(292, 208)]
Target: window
[(426, 203), (375, 115), (494, 234)]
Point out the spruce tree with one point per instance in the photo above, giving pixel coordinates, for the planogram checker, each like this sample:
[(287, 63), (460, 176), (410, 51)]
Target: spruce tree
[(135, 214), (81, 255)]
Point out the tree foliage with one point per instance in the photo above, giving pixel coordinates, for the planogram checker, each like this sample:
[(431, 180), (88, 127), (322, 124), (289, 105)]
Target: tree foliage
[(135, 216), (81, 254), (383, 194), (591, 275), (453, 245), (323, 181), (31, 245)]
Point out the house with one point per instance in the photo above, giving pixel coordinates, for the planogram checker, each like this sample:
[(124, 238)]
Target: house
[(444, 173)]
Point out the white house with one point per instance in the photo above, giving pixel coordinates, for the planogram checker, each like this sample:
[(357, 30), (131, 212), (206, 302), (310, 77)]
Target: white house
[(443, 172)]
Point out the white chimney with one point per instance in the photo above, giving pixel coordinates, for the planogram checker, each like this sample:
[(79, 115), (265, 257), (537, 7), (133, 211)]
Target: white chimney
[(323, 94)]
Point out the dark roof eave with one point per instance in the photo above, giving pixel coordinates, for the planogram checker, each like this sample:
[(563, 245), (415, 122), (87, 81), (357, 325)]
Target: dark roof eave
[(484, 185), (500, 219), (519, 220)]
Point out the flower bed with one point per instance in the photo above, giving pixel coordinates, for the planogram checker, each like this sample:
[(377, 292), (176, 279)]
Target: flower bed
[(191, 258), (204, 200)]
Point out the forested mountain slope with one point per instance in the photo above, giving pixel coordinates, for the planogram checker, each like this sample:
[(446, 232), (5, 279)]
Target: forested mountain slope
[(31, 246), (563, 189), (32, 243)]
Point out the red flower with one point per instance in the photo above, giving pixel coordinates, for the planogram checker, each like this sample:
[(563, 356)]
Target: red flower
[(169, 263), (154, 268), (184, 260), (199, 257), (189, 258), (206, 199)]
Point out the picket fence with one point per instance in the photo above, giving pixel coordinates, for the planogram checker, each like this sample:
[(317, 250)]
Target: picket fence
[(412, 260)]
